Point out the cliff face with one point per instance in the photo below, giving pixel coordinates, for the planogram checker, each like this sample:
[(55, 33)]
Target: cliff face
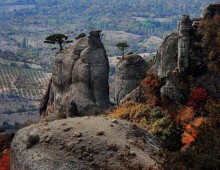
[(166, 58), (190, 60), (184, 39), (180, 58), (79, 84)]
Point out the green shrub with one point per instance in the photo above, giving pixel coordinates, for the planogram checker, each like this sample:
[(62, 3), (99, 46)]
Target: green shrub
[(155, 120)]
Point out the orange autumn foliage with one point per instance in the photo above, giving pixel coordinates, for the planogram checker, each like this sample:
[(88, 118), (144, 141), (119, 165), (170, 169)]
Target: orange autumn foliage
[(191, 131), (5, 160), (190, 124), (131, 111), (185, 116)]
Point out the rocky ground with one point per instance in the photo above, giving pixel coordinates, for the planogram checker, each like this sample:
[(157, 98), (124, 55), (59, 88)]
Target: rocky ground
[(83, 143)]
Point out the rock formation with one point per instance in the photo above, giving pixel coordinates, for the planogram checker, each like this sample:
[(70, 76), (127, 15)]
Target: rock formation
[(166, 57), (131, 70), (170, 89), (79, 87), (184, 31), (178, 58), (83, 143), (190, 60), (79, 84)]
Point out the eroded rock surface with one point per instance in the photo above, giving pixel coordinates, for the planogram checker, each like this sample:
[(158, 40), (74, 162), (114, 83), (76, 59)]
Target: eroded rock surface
[(166, 58), (131, 70), (79, 83), (83, 143), (179, 59)]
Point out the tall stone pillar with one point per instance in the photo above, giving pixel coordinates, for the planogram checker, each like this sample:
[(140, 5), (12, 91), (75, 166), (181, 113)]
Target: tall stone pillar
[(184, 30)]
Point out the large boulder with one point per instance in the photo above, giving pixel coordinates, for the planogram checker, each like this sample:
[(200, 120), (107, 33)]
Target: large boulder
[(83, 143), (79, 84), (131, 70)]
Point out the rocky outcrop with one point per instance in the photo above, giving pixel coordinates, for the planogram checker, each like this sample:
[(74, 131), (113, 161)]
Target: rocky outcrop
[(170, 90), (179, 57), (185, 35), (83, 143), (131, 70), (165, 64), (79, 84), (166, 57), (173, 59)]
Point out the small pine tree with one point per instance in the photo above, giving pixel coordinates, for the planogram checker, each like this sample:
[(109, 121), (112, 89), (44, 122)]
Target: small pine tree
[(122, 46), (59, 39)]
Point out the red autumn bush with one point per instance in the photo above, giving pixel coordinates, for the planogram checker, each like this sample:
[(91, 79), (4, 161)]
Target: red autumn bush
[(5, 160), (198, 97), (151, 83), (151, 86)]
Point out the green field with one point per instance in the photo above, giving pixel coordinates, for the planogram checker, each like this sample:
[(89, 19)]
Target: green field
[(25, 83)]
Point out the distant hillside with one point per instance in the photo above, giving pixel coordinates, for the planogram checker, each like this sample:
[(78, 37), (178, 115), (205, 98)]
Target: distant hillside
[(25, 23)]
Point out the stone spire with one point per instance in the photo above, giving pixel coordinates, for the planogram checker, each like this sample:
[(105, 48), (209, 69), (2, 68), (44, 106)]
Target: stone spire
[(79, 84), (184, 31)]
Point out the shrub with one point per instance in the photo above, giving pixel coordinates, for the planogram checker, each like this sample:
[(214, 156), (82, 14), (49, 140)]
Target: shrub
[(185, 116), (210, 32), (151, 86), (198, 97), (212, 107), (5, 141), (131, 111), (161, 125), (191, 131), (204, 152), (154, 120), (190, 124), (5, 160)]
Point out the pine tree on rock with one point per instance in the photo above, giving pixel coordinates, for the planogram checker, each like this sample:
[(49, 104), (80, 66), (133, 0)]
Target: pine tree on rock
[(59, 39), (122, 46)]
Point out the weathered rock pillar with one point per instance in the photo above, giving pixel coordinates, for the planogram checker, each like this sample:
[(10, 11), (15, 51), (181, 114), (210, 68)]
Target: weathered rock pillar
[(130, 72), (79, 84), (184, 30)]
